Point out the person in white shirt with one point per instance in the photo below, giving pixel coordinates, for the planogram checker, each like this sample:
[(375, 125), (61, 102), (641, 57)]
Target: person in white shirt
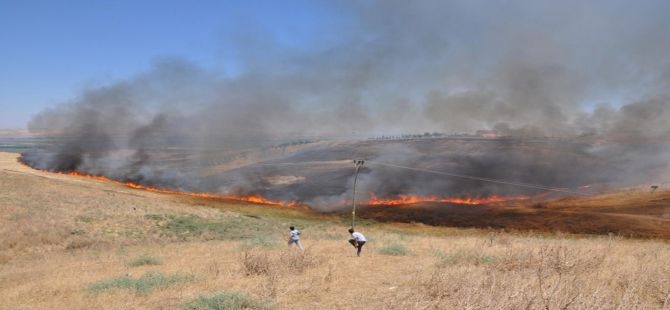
[(295, 238), (357, 240)]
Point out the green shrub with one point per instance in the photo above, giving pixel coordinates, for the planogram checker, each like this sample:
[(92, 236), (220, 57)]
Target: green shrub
[(395, 249), (155, 217), (144, 284), (144, 260), (227, 301)]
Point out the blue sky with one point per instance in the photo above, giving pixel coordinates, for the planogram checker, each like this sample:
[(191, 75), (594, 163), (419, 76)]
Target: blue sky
[(381, 65), (51, 50)]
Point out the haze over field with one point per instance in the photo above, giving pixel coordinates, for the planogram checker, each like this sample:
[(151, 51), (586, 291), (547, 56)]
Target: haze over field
[(568, 70)]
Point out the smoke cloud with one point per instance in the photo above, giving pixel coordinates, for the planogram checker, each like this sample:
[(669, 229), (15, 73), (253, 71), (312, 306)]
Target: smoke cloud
[(596, 74)]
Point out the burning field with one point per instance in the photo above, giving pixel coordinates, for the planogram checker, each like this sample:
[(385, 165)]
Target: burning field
[(320, 173), (460, 110), (462, 181), (71, 241), (632, 212)]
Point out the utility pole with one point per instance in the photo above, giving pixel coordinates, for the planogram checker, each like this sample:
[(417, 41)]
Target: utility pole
[(358, 163)]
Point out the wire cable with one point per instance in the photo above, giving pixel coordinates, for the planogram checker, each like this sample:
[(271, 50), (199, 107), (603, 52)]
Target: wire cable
[(450, 174), (457, 175), (307, 163)]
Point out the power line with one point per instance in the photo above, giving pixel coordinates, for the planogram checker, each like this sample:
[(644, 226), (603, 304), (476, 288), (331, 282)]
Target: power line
[(358, 164), (457, 175), (307, 163), (450, 174)]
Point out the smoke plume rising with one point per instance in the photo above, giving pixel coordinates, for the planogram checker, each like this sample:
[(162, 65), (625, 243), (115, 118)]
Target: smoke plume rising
[(593, 76)]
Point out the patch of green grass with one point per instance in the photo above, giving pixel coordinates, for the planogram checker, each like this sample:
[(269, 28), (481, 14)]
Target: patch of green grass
[(464, 256), (258, 241), (144, 260), (438, 253), (395, 249), (402, 235), (144, 284), (332, 236), (391, 237), (486, 259), (155, 217), (227, 301), (134, 233), (77, 231), (188, 226)]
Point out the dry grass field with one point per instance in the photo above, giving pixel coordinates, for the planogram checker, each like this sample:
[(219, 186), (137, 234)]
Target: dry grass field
[(76, 243)]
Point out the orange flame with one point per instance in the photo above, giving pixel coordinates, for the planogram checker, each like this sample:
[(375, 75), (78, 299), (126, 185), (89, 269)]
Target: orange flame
[(414, 199), (250, 199), (256, 199)]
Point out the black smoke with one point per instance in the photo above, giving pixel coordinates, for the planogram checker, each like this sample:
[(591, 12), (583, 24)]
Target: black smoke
[(579, 90)]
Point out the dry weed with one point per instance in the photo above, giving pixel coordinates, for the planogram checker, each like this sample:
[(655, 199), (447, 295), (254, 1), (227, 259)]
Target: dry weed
[(545, 274), (256, 262), (298, 261), (78, 243)]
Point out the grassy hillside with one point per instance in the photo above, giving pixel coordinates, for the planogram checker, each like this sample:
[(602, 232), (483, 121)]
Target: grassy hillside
[(76, 243)]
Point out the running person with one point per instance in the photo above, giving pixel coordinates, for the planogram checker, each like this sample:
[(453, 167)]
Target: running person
[(295, 238)]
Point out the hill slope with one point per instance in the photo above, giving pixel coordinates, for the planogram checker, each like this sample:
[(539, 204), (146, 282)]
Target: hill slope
[(77, 243), (633, 212)]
